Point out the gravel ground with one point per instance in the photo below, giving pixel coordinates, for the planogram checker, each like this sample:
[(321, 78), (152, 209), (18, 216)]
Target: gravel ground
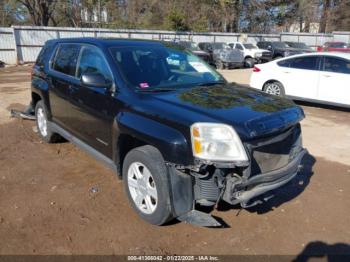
[(55, 199)]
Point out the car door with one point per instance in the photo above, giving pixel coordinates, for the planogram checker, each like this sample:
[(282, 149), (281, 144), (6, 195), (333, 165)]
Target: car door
[(92, 105), (239, 47), (60, 77), (334, 80), (300, 76)]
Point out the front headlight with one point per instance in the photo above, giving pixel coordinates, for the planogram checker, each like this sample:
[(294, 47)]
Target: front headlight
[(258, 54), (287, 53), (219, 142)]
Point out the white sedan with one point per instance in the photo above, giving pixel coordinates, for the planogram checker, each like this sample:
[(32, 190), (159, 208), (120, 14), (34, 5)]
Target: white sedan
[(316, 77)]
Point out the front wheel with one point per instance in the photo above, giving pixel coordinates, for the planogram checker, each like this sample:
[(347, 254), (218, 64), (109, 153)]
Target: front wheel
[(219, 65), (42, 124), (274, 88), (249, 62), (277, 57), (146, 184)]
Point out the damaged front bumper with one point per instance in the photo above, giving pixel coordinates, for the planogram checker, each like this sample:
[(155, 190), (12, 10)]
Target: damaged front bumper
[(238, 191)]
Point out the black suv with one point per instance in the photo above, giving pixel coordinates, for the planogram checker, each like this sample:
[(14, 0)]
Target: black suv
[(278, 49), (167, 123)]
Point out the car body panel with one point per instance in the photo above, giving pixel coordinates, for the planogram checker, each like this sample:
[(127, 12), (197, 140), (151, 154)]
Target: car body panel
[(110, 121), (311, 85)]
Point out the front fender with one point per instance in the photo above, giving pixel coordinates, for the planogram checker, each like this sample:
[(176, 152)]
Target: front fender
[(173, 145)]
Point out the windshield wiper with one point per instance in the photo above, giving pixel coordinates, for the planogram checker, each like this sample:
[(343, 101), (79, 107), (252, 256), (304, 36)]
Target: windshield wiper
[(155, 90), (211, 83)]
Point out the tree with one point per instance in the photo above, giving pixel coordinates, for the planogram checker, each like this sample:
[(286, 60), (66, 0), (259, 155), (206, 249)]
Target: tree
[(340, 17), (326, 5), (40, 11)]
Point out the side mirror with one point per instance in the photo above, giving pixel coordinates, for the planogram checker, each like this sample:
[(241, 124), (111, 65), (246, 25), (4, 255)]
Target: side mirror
[(95, 80)]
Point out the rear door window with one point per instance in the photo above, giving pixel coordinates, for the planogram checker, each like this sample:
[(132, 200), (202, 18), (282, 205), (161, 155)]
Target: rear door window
[(336, 65), (284, 63), (66, 59), (306, 63)]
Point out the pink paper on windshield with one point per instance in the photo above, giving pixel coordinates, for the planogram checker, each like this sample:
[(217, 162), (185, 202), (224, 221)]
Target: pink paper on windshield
[(144, 85)]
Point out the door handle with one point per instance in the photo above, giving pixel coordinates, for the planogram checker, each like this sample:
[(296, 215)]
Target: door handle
[(286, 72), (327, 76)]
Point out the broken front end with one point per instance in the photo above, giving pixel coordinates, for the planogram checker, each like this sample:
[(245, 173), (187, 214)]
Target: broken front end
[(271, 162)]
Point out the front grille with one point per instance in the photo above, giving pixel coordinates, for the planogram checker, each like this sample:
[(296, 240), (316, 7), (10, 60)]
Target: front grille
[(266, 54), (277, 154)]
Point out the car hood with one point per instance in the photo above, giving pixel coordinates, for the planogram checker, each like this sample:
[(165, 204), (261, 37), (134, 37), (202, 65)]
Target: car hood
[(252, 113), (291, 50)]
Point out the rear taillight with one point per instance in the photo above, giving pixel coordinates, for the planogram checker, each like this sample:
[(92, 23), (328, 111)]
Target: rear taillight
[(256, 69)]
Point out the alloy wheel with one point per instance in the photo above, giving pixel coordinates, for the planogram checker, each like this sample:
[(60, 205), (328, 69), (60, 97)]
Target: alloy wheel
[(142, 188)]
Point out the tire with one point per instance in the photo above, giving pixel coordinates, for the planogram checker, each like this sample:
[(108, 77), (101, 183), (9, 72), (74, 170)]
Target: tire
[(249, 62), (219, 65), (274, 88), (277, 57), (146, 184), (42, 124)]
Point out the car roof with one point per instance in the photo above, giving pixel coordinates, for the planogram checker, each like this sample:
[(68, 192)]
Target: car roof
[(336, 54), (107, 42)]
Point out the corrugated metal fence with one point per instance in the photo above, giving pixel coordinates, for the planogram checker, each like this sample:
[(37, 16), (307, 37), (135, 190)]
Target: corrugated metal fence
[(21, 44), (8, 52)]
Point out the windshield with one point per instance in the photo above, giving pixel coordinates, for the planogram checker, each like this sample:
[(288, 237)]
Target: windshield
[(250, 46), (190, 45), (279, 45), (338, 45), (220, 46), (160, 67), (299, 45)]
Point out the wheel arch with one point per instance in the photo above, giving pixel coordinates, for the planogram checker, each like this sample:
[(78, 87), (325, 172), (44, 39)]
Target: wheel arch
[(131, 130), (35, 98), (270, 81)]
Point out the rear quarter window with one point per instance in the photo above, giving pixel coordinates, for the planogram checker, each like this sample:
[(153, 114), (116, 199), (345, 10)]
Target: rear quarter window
[(44, 54), (66, 59)]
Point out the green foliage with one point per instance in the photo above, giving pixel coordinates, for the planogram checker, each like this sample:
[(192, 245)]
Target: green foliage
[(175, 20)]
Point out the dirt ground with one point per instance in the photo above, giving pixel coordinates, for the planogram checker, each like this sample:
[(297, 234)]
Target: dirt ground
[(55, 199)]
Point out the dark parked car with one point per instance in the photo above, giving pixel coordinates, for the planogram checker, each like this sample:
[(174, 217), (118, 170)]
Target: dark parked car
[(278, 49), (193, 47), (222, 55), (301, 46), (169, 125)]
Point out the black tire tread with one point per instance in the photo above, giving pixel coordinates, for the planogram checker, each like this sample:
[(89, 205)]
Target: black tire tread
[(159, 170)]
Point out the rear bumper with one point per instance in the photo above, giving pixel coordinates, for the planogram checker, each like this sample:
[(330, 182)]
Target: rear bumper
[(243, 191)]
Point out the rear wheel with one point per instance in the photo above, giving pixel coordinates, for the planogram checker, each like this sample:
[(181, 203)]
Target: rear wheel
[(274, 88), (146, 184)]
